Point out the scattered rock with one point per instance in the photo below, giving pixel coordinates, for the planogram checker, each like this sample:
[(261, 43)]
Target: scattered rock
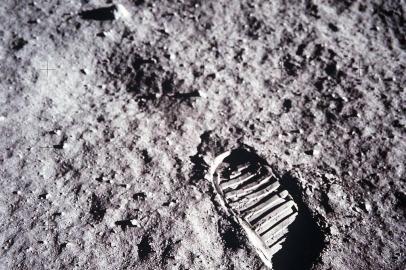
[(368, 207)]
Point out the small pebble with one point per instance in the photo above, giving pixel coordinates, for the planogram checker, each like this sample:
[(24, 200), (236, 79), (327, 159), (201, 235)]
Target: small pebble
[(368, 207)]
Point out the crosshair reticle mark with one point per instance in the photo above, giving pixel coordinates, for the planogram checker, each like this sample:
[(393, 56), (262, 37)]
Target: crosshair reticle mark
[(47, 69), (360, 68)]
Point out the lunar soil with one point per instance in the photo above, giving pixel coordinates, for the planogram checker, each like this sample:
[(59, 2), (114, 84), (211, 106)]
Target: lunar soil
[(112, 112)]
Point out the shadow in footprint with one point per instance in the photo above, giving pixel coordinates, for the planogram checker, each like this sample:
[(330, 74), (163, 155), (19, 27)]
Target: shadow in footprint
[(305, 240), (231, 235)]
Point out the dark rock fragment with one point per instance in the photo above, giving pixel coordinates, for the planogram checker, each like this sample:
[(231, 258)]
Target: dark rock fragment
[(126, 223), (139, 196), (18, 44), (287, 105), (97, 209), (99, 14), (144, 248), (333, 27)]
